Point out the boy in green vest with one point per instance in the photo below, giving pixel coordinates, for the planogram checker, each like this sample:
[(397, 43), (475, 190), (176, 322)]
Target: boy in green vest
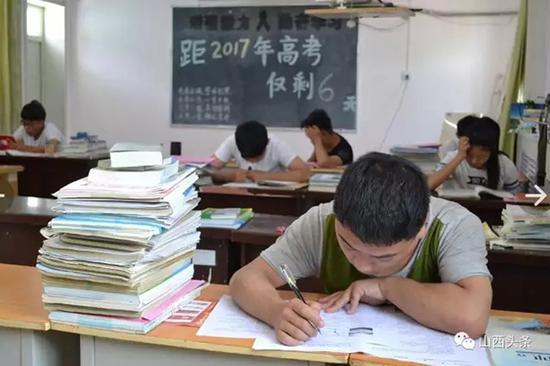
[(382, 240)]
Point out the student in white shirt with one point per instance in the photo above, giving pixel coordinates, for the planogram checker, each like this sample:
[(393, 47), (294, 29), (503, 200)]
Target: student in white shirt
[(35, 133), (477, 161), (258, 156)]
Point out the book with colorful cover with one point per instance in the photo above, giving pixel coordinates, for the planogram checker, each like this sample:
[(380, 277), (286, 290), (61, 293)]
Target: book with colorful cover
[(227, 218)]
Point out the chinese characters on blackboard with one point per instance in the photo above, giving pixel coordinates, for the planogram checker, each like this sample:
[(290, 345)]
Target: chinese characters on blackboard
[(270, 56)]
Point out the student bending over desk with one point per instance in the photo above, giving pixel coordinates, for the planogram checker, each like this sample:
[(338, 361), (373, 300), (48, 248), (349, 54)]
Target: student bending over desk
[(329, 148), (258, 157), (382, 240), (477, 161), (35, 133)]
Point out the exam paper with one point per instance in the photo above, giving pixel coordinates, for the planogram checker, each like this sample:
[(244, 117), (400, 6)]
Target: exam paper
[(229, 321)]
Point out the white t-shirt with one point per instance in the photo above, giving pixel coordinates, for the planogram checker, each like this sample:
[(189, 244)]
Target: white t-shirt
[(50, 132), (467, 177), (277, 157)]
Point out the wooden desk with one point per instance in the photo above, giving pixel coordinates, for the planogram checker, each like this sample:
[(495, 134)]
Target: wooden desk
[(216, 248), (171, 344), (521, 280), (487, 210), (261, 201), (24, 322), (45, 175), (21, 219), (8, 179)]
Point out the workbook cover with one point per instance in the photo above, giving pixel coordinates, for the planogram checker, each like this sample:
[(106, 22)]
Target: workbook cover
[(518, 341)]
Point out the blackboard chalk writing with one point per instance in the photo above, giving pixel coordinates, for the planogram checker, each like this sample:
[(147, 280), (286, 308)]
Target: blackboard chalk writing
[(269, 63), (301, 85), (350, 104), (192, 52), (288, 55), (275, 84), (263, 48), (312, 48)]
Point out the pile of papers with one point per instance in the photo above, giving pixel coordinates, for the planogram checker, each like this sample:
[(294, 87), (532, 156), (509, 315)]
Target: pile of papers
[(324, 182), (379, 331), (525, 227), (85, 147), (120, 257), (426, 157), (226, 218)]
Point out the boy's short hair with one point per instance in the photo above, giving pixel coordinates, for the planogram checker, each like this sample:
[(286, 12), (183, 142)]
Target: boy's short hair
[(251, 138), (33, 111), (383, 199), (319, 118)]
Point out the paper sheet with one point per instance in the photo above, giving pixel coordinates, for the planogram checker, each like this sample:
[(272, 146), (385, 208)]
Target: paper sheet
[(227, 320), (380, 331)]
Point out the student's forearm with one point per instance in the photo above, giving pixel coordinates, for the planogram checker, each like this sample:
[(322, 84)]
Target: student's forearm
[(256, 296), (224, 175), (321, 155), (442, 306), (300, 175), (439, 177), (33, 149)]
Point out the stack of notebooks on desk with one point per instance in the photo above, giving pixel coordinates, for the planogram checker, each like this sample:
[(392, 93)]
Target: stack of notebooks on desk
[(225, 218), (324, 182), (525, 227), (81, 147), (119, 257), (426, 157)]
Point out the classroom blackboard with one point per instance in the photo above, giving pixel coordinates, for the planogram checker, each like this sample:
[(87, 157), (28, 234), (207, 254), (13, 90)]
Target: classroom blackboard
[(271, 64)]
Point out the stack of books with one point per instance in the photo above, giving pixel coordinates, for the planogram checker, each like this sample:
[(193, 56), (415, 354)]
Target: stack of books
[(119, 256), (525, 227), (225, 218), (426, 157), (85, 146), (324, 182)]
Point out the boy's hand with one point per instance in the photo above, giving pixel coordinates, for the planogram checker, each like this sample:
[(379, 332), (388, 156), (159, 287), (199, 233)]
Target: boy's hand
[(240, 175), (367, 291), (463, 146), (15, 145), (291, 322)]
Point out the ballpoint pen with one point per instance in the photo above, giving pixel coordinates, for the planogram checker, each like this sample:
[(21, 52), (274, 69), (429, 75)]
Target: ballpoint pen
[(291, 281)]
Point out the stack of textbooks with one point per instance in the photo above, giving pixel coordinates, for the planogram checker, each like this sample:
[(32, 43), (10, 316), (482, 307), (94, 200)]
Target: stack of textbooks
[(119, 256), (426, 157), (324, 182), (525, 227), (225, 218), (85, 146)]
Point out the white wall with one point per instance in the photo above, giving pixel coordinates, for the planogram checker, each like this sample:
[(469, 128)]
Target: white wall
[(537, 74), (53, 64), (119, 72)]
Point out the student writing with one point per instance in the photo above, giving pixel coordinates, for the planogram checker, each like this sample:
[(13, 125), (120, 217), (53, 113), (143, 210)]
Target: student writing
[(258, 156), (383, 239), (477, 161), (329, 148), (35, 133)]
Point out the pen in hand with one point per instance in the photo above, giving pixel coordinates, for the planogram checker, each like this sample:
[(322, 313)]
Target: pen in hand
[(291, 281)]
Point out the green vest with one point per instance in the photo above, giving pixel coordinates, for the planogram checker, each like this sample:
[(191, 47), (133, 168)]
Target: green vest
[(337, 273)]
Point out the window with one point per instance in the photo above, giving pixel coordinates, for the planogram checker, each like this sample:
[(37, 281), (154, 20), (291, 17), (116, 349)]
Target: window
[(35, 21)]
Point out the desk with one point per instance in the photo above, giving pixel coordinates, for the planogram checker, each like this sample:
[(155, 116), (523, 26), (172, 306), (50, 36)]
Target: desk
[(8, 179), (21, 219), (215, 253), (487, 210), (171, 344), (45, 175), (24, 322), (521, 280)]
